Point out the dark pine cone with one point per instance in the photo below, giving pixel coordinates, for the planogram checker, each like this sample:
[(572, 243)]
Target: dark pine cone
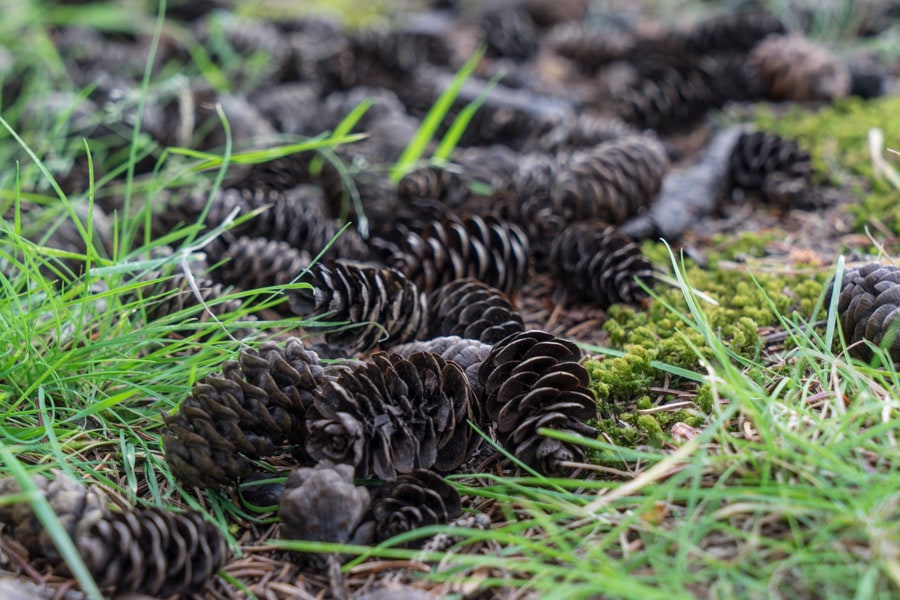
[(597, 263), (449, 187), (776, 167), (589, 47), (147, 550), (492, 251), (731, 32), (671, 96), (411, 501), (471, 309), (533, 380), (868, 308), (795, 68), (387, 305), (613, 182), (253, 263), (509, 33), (391, 415), (466, 352), (583, 131), (254, 409), (322, 504)]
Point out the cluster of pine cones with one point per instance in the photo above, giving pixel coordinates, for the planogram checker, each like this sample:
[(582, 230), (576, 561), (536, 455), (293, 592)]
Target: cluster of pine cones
[(416, 295)]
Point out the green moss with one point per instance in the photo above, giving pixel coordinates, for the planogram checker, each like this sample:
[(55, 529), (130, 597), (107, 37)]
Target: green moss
[(837, 139)]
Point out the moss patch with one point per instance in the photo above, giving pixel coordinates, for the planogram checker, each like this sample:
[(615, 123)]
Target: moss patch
[(837, 139)]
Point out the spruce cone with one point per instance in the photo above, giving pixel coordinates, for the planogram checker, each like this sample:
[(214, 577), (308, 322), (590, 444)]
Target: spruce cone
[(613, 182), (391, 415), (412, 501), (533, 380), (389, 306), (321, 504), (483, 248), (253, 263), (147, 550), (589, 47), (254, 409), (597, 263), (466, 352), (868, 308), (794, 68), (776, 167), (471, 309)]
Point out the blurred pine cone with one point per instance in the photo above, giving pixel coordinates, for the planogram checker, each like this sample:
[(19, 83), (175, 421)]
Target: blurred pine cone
[(868, 308), (412, 501), (492, 251), (597, 263), (551, 12), (147, 550), (612, 182), (794, 68), (587, 46), (252, 263), (173, 295), (254, 409), (582, 131), (291, 107), (392, 414), (509, 32), (472, 309), (466, 352), (533, 380), (774, 166), (322, 504), (728, 32), (261, 44), (447, 186), (388, 305)]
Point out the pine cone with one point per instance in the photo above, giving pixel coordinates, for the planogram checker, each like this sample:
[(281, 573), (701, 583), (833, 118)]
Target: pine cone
[(253, 263), (533, 380), (868, 309), (550, 12), (449, 187), (322, 504), (729, 32), (671, 97), (153, 551), (412, 501), (613, 182), (389, 306), (471, 309), (509, 33), (147, 550), (292, 107), (795, 68), (776, 167), (597, 263), (583, 131), (466, 352), (254, 409), (589, 47), (244, 37), (391, 415), (484, 248), (78, 507)]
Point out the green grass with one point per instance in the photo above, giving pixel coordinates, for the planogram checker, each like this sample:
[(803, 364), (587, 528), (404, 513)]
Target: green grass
[(773, 476)]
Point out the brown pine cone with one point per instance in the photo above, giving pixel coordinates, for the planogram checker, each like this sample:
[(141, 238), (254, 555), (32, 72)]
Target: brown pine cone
[(322, 504), (471, 309), (388, 306), (466, 352), (291, 107), (448, 186), (391, 415), (252, 263), (613, 182), (153, 551), (492, 251), (78, 507), (254, 409), (597, 263), (412, 501), (552, 12), (147, 550), (589, 47), (777, 167), (794, 68), (868, 309), (533, 380), (245, 37), (509, 32), (583, 131)]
